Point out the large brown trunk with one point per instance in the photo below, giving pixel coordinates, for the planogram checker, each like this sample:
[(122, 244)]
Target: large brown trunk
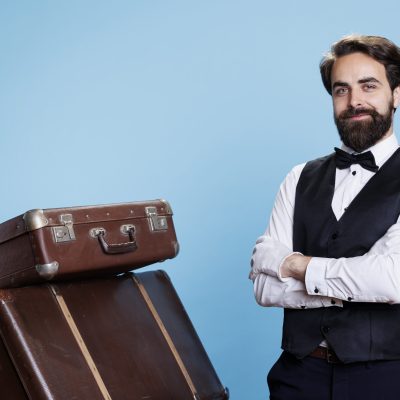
[(124, 337)]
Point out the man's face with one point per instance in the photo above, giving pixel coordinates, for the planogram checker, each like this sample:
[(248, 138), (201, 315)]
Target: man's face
[(363, 101)]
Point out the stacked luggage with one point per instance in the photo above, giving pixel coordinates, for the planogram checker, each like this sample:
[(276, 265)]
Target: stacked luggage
[(75, 323)]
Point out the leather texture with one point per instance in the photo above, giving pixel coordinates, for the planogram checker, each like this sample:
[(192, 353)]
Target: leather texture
[(11, 386), (45, 355), (21, 250), (130, 352)]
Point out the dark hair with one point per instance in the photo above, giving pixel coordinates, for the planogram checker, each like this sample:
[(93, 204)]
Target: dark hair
[(377, 47)]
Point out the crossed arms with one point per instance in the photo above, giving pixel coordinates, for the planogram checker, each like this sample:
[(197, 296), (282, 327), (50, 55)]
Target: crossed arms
[(282, 278)]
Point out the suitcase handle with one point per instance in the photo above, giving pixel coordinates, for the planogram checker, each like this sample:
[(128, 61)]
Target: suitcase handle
[(117, 248)]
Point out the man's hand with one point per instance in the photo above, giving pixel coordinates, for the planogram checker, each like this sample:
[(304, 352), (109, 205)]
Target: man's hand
[(267, 256), (295, 266)]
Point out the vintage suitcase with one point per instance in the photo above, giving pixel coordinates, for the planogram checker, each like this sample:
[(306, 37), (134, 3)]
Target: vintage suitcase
[(123, 337), (82, 241)]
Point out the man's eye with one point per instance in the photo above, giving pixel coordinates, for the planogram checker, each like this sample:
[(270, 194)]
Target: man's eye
[(341, 91), (368, 87)]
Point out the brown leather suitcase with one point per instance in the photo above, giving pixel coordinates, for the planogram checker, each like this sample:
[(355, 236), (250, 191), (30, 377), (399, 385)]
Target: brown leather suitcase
[(124, 337), (83, 241)]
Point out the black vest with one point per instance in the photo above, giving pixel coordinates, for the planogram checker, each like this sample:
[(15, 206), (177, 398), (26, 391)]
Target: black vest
[(358, 331)]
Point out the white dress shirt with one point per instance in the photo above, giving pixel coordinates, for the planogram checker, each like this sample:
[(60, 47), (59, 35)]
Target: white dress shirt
[(373, 277)]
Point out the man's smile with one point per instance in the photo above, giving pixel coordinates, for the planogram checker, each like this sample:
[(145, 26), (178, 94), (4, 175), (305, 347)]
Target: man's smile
[(359, 116)]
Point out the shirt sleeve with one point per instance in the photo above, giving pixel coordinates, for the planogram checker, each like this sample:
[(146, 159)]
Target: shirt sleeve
[(373, 277), (269, 291), (271, 249)]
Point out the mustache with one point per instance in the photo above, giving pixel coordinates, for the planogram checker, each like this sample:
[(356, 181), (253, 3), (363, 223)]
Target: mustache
[(352, 112)]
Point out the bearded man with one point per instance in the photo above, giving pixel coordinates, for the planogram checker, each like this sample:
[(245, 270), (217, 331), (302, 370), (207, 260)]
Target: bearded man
[(331, 253)]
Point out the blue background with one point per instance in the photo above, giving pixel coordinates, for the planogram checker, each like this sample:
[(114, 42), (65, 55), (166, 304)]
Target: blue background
[(207, 104)]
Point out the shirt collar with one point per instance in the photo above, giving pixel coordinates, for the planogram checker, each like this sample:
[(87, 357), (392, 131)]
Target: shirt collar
[(381, 150)]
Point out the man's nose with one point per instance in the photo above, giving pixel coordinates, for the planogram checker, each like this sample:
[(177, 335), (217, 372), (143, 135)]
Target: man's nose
[(356, 99)]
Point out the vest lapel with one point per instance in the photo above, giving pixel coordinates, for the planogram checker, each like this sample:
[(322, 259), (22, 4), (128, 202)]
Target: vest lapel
[(382, 184)]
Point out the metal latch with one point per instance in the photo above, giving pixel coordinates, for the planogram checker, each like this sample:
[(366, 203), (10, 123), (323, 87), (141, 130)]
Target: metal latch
[(157, 222), (64, 233)]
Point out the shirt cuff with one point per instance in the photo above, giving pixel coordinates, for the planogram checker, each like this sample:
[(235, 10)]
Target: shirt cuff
[(315, 280)]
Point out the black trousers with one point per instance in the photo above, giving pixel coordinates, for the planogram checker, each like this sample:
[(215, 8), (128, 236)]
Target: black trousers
[(316, 379)]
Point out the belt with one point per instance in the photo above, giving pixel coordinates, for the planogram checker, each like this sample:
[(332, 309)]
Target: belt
[(325, 354)]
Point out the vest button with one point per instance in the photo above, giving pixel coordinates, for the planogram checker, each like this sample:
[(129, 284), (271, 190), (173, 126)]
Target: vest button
[(326, 329), (334, 236), (316, 290)]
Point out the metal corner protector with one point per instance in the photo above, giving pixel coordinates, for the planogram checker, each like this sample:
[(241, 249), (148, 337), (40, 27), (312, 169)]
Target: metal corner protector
[(47, 271), (35, 219), (168, 208)]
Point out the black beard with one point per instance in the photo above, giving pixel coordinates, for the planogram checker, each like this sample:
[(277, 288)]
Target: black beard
[(360, 135)]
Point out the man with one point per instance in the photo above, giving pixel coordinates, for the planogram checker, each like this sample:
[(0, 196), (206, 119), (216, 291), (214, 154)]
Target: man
[(331, 254)]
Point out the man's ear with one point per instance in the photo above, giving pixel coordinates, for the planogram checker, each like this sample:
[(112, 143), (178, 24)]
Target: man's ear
[(396, 96)]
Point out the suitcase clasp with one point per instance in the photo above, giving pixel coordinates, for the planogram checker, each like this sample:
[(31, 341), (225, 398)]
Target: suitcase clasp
[(157, 222), (64, 233)]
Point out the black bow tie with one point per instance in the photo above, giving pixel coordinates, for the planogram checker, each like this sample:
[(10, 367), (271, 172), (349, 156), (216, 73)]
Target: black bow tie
[(366, 160)]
